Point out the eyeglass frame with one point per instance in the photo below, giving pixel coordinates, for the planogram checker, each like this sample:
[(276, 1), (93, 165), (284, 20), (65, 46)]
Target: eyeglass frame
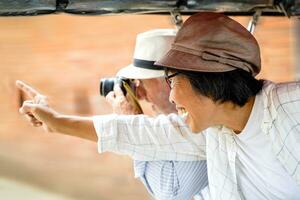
[(168, 77)]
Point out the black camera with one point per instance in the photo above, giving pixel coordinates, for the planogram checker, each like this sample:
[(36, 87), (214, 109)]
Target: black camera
[(107, 85)]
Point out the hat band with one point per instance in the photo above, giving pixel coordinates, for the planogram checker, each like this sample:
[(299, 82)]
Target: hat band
[(146, 64), (218, 56)]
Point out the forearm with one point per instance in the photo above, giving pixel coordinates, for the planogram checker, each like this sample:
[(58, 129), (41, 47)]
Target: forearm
[(74, 126), (146, 138)]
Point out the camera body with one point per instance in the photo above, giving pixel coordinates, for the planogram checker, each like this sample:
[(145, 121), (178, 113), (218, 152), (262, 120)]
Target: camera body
[(107, 84)]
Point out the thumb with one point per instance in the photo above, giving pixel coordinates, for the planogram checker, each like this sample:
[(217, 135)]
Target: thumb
[(28, 107)]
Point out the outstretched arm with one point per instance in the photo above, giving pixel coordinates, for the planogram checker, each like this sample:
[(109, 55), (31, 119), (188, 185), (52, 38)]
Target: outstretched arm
[(39, 113), (139, 136)]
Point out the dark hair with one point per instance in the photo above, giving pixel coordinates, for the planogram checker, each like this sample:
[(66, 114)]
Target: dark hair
[(235, 86)]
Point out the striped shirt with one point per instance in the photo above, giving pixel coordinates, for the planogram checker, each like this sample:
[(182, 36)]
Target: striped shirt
[(281, 123), (172, 180)]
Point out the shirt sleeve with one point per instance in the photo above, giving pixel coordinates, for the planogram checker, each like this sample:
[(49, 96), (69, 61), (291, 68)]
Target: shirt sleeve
[(286, 126), (165, 137), (172, 180)]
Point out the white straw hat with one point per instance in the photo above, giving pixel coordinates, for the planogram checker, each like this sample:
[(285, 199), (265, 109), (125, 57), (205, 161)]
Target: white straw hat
[(150, 47)]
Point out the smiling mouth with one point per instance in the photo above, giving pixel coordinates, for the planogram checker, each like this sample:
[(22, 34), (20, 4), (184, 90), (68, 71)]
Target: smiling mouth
[(182, 112)]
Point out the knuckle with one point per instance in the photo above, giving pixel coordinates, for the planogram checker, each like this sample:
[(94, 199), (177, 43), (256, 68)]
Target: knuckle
[(21, 110)]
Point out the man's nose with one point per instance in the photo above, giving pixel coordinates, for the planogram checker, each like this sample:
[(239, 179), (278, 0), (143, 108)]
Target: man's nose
[(171, 97)]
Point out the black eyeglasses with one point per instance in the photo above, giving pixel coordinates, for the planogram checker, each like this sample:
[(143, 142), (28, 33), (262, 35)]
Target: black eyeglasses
[(168, 78)]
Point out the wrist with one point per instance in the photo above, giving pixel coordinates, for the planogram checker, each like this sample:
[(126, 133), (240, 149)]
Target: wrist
[(56, 122)]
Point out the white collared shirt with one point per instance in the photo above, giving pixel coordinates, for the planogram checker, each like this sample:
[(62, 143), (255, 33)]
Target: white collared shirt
[(244, 166), (143, 138)]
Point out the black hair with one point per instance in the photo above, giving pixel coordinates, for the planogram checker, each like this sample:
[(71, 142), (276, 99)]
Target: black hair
[(235, 86)]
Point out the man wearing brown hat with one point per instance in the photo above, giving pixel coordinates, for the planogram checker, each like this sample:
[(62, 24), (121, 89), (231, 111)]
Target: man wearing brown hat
[(252, 126)]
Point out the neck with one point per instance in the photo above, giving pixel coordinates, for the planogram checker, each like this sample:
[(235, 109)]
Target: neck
[(233, 116)]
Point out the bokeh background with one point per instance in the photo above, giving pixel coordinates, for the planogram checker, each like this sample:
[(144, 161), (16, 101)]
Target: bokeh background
[(64, 57)]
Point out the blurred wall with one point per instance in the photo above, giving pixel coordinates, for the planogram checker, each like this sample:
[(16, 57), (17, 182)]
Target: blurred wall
[(64, 56), (296, 36)]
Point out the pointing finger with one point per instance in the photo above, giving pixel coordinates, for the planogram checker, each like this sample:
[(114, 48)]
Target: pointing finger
[(28, 90)]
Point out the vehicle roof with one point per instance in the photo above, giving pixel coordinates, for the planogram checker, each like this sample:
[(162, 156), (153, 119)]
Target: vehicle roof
[(115, 7)]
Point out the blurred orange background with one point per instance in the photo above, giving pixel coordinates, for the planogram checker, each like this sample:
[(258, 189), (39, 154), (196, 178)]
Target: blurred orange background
[(64, 57)]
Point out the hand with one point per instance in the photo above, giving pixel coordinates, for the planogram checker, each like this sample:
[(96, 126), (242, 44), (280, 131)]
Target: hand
[(120, 103), (36, 109)]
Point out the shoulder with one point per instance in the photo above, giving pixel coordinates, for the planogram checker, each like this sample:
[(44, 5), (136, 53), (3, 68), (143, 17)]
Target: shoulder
[(282, 93)]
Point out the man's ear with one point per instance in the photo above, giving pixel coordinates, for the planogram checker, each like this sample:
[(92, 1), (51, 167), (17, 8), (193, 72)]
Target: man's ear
[(137, 82), (139, 90)]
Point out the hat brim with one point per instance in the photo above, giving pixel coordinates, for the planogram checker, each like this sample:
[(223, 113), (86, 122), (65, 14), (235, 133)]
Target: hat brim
[(185, 61), (133, 72)]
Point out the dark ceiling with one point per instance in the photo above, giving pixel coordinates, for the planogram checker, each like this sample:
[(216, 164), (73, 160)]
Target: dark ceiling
[(114, 7)]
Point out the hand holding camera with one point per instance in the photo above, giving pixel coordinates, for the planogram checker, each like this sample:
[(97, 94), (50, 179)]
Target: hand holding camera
[(120, 93)]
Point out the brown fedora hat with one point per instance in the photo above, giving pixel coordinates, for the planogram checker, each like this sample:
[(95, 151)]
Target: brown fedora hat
[(213, 42)]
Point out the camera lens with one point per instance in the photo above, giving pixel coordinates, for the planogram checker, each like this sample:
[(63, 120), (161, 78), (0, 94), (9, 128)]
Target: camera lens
[(106, 85)]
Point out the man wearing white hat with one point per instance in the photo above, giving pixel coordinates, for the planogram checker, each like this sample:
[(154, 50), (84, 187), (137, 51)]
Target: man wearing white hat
[(163, 179), (154, 143)]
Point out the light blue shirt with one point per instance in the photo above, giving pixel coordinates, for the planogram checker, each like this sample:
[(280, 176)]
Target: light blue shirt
[(172, 180)]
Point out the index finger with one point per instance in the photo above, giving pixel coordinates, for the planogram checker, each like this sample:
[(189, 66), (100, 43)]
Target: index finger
[(26, 89)]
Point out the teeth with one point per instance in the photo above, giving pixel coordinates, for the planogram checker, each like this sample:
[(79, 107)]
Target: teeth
[(182, 112)]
